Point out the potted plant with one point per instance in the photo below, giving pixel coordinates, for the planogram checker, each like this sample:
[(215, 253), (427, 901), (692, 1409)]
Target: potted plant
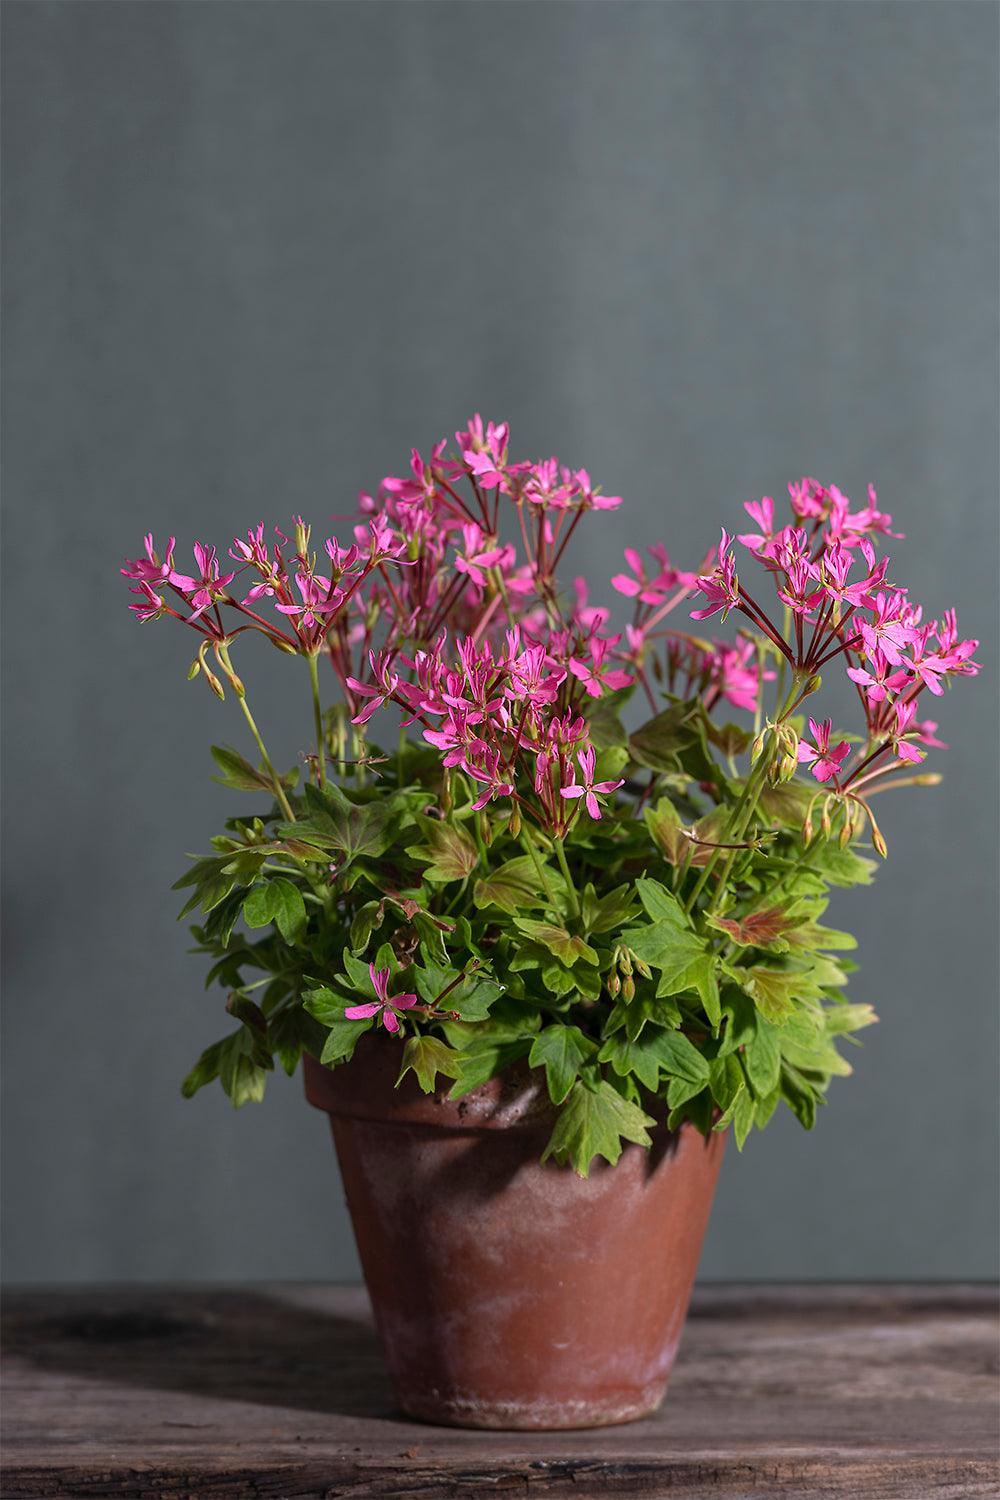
[(537, 966)]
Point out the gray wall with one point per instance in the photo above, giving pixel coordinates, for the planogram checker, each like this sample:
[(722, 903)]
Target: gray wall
[(256, 250)]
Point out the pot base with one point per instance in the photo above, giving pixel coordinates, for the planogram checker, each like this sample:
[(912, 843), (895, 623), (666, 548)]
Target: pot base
[(529, 1416)]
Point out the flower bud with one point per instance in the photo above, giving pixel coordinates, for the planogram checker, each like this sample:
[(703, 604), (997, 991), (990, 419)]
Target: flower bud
[(825, 821), (514, 822), (302, 533), (788, 754), (614, 984), (194, 669), (284, 646), (758, 745), (236, 683), (213, 682), (628, 988), (485, 829), (642, 968), (847, 831), (625, 962)]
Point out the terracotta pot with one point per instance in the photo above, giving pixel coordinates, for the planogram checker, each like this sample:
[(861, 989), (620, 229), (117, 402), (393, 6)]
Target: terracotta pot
[(509, 1294)]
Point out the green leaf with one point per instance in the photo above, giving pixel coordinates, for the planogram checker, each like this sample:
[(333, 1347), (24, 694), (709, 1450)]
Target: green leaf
[(659, 742), (845, 1018), (238, 773), (661, 905), (277, 901), (594, 1122), (608, 912), (471, 997), (762, 1059), (242, 1078), (427, 1056), (743, 1118), (367, 919), (449, 853), (342, 1040), (842, 866), (766, 928), (680, 1090), (481, 1061), (644, 1007), (773, 991), (665, 825), (353, 828), (512, 887), (657, 1051), (800, 1096), (247, 1011), (561, 1051), (664, 945), (327, 1006), (569, 949), (204, 1071)]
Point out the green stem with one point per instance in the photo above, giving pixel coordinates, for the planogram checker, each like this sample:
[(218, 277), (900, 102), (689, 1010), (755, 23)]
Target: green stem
[(740, 815), (317, 719), (574, 900), (279, 790), (540, 871)]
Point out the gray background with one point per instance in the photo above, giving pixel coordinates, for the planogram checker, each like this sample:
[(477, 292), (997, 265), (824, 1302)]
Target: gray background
[(256, 250)]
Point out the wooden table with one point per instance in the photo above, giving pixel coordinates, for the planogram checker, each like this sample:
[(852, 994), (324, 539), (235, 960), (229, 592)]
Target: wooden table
[(860, 1391)]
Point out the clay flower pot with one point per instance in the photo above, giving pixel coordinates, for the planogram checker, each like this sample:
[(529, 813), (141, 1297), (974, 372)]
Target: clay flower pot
[(506, 1293)]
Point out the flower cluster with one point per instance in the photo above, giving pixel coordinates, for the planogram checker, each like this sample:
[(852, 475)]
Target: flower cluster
[(837, 602), (446, 601)]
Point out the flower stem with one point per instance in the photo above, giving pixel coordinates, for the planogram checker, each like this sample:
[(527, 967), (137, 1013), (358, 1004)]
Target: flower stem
[(279, 790), (570, 887), (317, 718)]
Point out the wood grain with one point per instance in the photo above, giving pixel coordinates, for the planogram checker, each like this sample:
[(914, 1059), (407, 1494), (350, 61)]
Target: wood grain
[(873, 1392)]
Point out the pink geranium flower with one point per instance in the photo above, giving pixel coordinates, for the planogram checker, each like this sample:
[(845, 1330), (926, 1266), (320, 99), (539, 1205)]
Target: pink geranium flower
[(720, 587), (588, 788), (388, 1006), (881, 679), (825, 763)]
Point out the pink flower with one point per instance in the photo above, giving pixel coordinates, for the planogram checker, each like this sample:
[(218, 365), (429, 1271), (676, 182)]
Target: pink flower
[(150, 569), (212, 583), (320, 600), (388, 1007), (647, 590), (493, 772), (385, 684), (720, 587), (824, 761), (481, 552), (889, 628), (761, 511), (733, 671), (881, 680), (485, 451), (835, 565), (589, 498), (905, 726), (589, 787), (153, 603), (595, 676)]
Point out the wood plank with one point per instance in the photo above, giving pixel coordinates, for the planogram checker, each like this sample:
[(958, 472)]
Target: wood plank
[(881, 1392)]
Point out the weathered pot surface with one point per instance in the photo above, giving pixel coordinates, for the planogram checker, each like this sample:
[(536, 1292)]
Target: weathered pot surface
[(506, 1293)]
